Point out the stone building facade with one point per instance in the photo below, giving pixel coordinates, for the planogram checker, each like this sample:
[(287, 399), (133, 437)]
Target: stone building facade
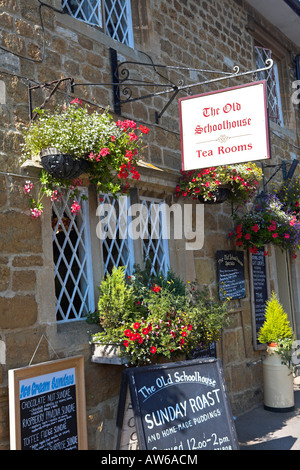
[(41, 43)]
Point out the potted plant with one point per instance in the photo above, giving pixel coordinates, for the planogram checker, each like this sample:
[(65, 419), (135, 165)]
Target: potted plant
[(270, 221), (116, 306), (277, 333), (237, 183), (163, 318), (107, 151)]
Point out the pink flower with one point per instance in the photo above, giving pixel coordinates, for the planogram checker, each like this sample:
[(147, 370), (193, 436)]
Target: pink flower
[(76, 101), (28, 187), (132, 136), (275, 235), (286, 235), (247, 236), (75, 208), (36, 213), (255, 228), (103, 152), (54, 196)]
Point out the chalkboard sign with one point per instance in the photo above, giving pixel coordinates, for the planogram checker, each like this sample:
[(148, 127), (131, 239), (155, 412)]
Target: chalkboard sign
[(231, 276), (177, 406), (259, 291), (47, 406)]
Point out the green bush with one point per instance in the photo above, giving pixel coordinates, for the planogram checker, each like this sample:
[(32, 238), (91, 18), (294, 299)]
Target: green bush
[(276, 327)]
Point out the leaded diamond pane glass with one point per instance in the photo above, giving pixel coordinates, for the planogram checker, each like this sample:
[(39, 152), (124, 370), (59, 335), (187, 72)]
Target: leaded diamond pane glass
[(72, 260), (88, 11), (117, 247), (155, 244), (118, 20)]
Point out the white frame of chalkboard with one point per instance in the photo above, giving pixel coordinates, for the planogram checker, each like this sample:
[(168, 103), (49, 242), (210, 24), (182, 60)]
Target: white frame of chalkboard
[(129, 385), (257, 346), (16, 375)]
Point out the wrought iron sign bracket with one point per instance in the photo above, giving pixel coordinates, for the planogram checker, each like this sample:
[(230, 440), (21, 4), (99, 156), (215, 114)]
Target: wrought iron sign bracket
[(287, 175), (124, 86)]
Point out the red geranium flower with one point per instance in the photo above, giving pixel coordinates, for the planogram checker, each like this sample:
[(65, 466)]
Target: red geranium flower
[(156, 288)]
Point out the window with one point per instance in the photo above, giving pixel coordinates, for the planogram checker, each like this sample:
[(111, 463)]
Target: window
[(72, 260), (128, 234), (114, 16), (117, 247), (132, 233), (155, 243), (118, 22), (271, 77)]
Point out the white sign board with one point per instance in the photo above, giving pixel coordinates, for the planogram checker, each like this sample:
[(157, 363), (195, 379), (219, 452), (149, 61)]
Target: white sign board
[(224, 127)]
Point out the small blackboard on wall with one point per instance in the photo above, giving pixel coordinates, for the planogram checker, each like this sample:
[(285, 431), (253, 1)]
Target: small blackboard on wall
[(175, 406), (231, 275), (259, 287), (47, 406)]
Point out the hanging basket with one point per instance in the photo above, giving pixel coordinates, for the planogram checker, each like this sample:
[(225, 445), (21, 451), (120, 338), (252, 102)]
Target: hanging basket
[(218, 196), (61, 165)]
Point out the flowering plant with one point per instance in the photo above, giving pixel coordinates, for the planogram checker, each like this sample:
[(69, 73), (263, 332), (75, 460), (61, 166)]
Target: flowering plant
[(110, 148), (242, 181), (161, 317), (270, 221)]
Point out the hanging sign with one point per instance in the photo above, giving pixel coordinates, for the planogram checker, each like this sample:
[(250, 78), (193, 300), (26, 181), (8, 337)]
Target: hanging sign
[(176, 406), (225, 127), (47, 406)]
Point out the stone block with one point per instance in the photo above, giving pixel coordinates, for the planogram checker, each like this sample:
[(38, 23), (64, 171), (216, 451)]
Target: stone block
[(23, 281), (21, 346), (4, 273), (27, 261), (19, 311), (20, 233), (205, 271)]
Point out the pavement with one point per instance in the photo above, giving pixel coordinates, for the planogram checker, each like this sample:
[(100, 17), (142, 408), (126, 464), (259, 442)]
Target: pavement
[(260, 429)]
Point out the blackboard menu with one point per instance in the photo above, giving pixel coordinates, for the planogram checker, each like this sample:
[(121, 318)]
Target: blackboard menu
[(231, 276), (259, 287), (48, 412), (180, 406), (47, 406)]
